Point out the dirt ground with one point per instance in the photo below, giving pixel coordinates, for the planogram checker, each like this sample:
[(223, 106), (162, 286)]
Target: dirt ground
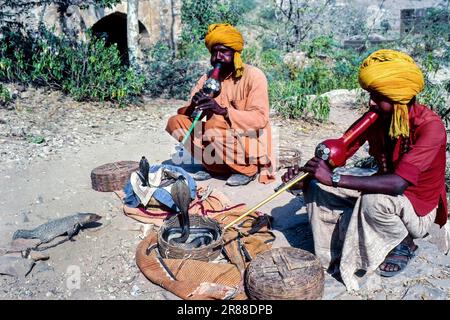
[(51, 179)]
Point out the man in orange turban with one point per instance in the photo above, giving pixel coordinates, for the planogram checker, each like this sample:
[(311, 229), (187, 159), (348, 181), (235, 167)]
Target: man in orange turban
[(235, 139), (369, 223)]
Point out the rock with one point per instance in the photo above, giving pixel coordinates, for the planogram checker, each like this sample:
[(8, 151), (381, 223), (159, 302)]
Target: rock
[(46, 149), (15, 266), (42, 266), (36, 256), (40, 199), (18, 132), (342, 98), (297, 60), (442, 75), (135, 291), (25, 94)]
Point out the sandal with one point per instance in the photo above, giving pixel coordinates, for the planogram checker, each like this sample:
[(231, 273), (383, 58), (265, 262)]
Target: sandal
[(395, 258)]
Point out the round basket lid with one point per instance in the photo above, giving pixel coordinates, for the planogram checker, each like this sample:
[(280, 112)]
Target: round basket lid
[(288, 157), (285, 273), (112, 176)]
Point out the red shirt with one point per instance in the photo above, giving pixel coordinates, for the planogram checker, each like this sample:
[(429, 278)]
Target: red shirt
[(423, 165)]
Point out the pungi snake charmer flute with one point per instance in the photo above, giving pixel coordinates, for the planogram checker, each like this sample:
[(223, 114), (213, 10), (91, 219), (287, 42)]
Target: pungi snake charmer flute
[(211, 88), (334, 151)]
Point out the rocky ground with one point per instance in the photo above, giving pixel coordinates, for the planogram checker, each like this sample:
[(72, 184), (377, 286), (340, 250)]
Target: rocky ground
[(49, 145)]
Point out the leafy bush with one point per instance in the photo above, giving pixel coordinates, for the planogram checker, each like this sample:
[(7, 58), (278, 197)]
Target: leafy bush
[(434, 96), (15, 55), (270, 61), (317, 74), (430, 45), (5, 95), (293, 77), (320, 108), (168, 76), (85, 70), (290, 100), (197, 15)]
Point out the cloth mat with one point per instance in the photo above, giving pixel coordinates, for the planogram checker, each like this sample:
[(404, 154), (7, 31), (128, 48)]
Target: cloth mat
[(208, 202), (198, 280)]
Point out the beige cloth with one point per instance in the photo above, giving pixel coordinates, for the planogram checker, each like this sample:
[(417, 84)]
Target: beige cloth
[(208, 202), (356, 232), (145, 193)]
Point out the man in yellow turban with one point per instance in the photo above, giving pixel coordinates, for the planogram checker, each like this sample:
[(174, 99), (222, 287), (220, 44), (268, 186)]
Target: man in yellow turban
[(369, 222), (235, 139)]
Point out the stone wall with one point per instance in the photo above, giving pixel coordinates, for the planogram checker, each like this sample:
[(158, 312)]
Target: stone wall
[(389, 11), (160, 19)]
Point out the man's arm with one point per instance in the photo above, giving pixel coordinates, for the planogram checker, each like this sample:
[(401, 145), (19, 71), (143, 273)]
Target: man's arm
[(391, 184), (256, 113)]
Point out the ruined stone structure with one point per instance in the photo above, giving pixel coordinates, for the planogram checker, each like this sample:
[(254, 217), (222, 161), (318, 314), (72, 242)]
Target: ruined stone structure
[(412, 20), (379, 12), (159, 20), (386, 20)]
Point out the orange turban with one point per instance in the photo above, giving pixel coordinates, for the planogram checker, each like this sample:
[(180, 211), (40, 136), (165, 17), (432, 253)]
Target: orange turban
[(225, 34), (395, 75)]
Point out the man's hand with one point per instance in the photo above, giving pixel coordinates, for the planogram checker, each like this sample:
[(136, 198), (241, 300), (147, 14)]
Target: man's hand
[(290, 174), (207, 105), (320, 170)]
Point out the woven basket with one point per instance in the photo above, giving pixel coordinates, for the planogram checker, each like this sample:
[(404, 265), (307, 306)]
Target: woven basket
[(285, 274), (204, 253), (112, 176), (288, 157)]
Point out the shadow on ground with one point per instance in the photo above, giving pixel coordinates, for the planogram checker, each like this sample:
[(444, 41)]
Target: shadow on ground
[(293, 223)]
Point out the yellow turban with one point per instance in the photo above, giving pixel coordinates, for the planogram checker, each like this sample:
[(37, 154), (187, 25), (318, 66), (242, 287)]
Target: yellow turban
[(225, 34), (395, 75)]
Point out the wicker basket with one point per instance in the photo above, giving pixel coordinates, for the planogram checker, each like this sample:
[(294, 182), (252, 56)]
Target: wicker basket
[(204, 253), (112, 176), (285, 274), (288, 157)]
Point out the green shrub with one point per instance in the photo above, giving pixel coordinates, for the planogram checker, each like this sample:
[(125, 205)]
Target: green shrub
[(197, 15), (320, 108), (319, 46), (5, 95), (287, 99), (37, 139), (168, 76), (85, 70), (15, 55), (290, 100), (270, 61), (292, 81), (435, 97)]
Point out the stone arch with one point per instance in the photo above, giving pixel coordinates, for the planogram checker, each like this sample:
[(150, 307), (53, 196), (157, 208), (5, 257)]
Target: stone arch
[(113, 28)]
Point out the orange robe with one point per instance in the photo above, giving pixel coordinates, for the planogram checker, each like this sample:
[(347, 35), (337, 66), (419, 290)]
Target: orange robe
[(242, 144)]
